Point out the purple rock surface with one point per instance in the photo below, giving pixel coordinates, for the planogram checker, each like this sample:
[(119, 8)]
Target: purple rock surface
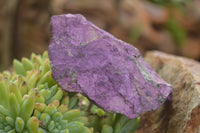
[(110, 72)]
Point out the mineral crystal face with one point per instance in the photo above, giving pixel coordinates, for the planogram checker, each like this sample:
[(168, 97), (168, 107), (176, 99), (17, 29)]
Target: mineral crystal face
[(110, 72)]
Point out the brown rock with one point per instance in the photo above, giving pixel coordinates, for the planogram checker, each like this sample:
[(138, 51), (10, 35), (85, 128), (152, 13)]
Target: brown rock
[(157, 14), (191, 48), (94, 10), (182, 114)]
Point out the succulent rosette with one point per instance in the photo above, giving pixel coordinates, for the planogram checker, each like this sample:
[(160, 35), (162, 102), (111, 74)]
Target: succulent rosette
[(31, 101)]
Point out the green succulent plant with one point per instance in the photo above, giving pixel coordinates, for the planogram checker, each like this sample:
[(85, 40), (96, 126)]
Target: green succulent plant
[(31, 101), (28, 113)]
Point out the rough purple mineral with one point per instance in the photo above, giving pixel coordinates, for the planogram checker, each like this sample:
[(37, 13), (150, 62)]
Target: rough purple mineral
[(108, 71)]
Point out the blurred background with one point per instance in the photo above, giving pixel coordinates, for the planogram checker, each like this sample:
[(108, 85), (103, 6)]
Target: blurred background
[(172, 26)]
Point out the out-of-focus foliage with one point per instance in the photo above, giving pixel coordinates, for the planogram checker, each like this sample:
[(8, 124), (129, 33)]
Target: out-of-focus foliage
[(24, 26), (170, 2), (135, 34), (177, 31)]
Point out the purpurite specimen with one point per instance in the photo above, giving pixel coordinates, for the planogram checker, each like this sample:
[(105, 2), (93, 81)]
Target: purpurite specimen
[(108, 71)]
